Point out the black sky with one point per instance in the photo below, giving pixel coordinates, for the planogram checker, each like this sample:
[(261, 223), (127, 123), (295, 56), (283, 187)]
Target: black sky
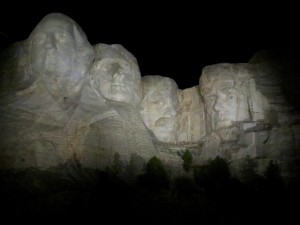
[(174, 40)]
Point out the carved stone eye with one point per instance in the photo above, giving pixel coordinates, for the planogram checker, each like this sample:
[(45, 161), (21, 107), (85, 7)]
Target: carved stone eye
[(63, 38), (40, 38), (231, 96)]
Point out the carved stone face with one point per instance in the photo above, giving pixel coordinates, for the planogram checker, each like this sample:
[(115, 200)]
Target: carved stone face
[(231, 104), (60, 53), (115, 80), (116, 77), (159, 106), (226, 97)]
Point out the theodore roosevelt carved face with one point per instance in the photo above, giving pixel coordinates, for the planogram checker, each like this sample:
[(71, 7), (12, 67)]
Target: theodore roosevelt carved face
[(159, 106)]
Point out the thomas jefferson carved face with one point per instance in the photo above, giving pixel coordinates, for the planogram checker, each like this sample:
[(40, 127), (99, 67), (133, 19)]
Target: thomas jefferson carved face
[(115, 75), (60, 53)]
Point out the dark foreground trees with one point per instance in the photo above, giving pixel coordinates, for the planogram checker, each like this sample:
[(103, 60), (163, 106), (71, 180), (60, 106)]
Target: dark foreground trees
[(210, 196)]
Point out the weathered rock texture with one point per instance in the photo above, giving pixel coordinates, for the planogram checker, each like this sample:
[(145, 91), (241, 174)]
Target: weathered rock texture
[(63, 98), (247, 114), (42, 81), (191, 116), (109, 103), (159, 107), (53, 108)]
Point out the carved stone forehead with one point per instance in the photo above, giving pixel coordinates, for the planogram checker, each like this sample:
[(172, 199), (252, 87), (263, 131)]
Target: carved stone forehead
[(159, 82), (224, 75), (57, 22)]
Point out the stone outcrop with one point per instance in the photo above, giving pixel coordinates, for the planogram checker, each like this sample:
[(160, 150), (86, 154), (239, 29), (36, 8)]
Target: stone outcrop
[(191, 116), (63, 98), (247, 114), (54, 109), (39, 96)]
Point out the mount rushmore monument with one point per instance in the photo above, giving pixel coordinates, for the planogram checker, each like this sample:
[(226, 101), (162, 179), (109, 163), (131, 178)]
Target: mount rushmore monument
[(61, 98)]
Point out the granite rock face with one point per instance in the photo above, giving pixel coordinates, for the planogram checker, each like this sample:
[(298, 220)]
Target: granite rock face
[(173, 115), (39, 95), (115, 74), (109, 103), (63, 98), (159, 107), (191, 116), (248, 114)]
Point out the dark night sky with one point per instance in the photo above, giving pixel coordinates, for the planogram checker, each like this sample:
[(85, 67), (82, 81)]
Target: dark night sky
[(175, 40)]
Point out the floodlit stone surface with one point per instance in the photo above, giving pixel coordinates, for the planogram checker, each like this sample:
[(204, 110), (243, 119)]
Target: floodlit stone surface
[(109, 104), (159, 107), (248, 114), (191, 116), (63, 98), (59, 55), (230, 96), (173, 115), (43, 92), (53, 109), (116, 74)]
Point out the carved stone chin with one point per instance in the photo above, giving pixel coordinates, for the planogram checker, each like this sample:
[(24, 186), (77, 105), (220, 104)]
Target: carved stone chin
[(228, 133)]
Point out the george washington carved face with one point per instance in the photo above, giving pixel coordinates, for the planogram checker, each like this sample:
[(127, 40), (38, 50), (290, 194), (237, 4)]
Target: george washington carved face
[(60, 54)]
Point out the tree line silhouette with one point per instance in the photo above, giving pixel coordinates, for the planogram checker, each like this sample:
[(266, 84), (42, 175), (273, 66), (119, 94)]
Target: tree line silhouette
[(207, 194)]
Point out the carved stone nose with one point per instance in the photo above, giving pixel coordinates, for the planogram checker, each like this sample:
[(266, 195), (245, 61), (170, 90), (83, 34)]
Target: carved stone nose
[(218, 105), (118, 77), (50, 44)]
